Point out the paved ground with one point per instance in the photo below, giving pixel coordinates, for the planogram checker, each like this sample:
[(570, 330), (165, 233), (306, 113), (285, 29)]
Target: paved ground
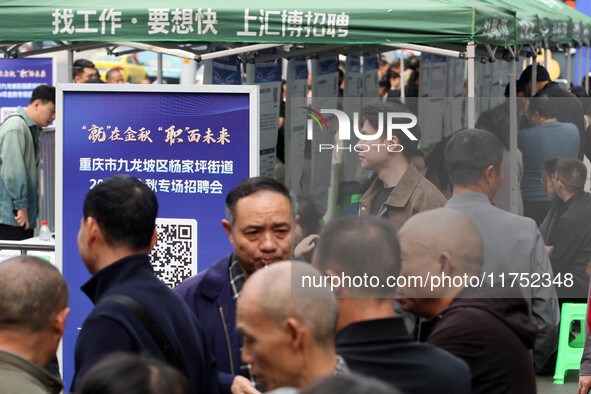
[(545, 385)]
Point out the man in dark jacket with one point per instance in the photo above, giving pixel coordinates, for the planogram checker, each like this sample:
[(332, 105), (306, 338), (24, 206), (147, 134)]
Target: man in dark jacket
[(259, 228), (117, 232), (442, 250), (371, 339), (571, 251)]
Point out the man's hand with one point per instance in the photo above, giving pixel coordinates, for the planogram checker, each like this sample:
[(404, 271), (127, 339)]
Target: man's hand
[(241, 385), (584, 384), (22, 218)]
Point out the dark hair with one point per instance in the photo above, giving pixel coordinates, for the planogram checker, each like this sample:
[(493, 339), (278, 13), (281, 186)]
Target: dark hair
[(495, 120), (541, 76), (45, 93), (414, 63), (469, 153), (360, 245), (572, 173), (544, 104), (250, 186), (133, 374), (79, 66), (350, 383), (550, 165), (125, 210), (32, 291), (519, 88), (372, 114), (309, 216)]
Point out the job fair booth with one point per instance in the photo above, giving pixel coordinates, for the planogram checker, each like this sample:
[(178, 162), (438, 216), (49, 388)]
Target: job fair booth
[(191, 144)]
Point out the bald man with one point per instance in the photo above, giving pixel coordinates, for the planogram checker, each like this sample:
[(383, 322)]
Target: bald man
[(492, 335), (288, 341), (371, 339), (33, 311)]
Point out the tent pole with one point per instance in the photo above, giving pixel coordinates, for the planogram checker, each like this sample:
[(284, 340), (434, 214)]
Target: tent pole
[(568, 65), (580, 56), (70, 63), (402, 96), (546, 58), (159, 75), (534, 73), (427, 49), (513, 182), (470, 55), (586, 71)]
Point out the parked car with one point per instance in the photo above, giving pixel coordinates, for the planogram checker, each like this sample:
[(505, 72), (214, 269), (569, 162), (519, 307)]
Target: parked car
[(132, 71)]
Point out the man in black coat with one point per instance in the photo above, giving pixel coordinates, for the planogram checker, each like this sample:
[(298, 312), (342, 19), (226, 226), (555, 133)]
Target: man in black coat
[(370, 338), (117, 233)]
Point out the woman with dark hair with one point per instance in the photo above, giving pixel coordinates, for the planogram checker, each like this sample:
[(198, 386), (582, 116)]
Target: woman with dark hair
[(133, 374)]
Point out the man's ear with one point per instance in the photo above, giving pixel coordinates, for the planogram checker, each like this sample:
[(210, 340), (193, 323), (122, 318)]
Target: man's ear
[(489, 174), (394, 141), (228, 227), (154, 239), (339, 291), (59, 322), (93, 232), (296, 332), (446, 264)]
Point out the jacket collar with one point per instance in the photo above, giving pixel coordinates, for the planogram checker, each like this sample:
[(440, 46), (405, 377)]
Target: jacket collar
[(130, 268), (378, 329), (216, 278), (21, 111), (468, 197)]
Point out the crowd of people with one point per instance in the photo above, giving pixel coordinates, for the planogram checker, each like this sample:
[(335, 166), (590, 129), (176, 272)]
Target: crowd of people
[(291, 308)]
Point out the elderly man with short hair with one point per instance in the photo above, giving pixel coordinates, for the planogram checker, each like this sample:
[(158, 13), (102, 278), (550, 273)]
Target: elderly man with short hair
[(512, 243), (33, 311), (288, 338)]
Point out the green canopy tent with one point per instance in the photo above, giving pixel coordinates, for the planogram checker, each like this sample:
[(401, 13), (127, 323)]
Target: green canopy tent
[(306, 22), (175, 27)]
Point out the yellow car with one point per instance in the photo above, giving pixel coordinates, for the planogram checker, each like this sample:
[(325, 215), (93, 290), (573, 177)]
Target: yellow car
[(132, 71)]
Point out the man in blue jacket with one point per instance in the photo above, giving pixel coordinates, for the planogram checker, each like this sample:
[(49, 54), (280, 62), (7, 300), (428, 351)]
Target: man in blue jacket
[(117, 232), (258, 224)]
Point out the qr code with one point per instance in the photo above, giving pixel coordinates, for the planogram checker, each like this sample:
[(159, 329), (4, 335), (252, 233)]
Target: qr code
[(174, 257)]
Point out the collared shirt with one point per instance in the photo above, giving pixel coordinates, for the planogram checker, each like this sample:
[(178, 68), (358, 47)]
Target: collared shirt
[(18, 375), (342, 367), (237, 279)]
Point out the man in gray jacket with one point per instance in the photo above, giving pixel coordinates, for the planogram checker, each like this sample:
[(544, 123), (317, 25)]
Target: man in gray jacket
[(512, 244)]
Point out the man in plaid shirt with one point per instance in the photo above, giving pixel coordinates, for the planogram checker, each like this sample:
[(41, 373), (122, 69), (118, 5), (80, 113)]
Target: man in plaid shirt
[(258, 224)]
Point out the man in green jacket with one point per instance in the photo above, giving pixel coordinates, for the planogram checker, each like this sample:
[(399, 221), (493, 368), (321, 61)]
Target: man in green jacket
[(19, 162)]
